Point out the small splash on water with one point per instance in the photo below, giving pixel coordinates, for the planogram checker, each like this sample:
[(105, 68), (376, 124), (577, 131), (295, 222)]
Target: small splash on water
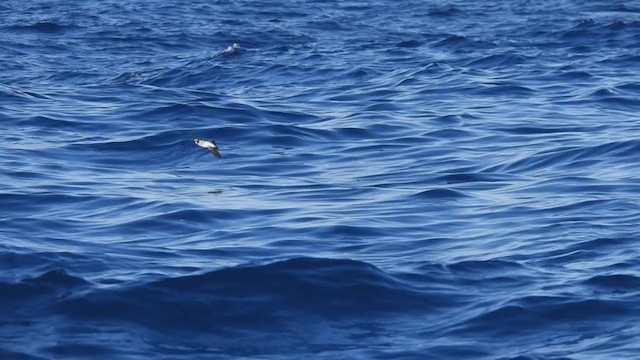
[(235, 47)]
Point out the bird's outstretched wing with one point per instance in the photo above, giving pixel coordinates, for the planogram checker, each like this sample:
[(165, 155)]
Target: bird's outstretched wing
[(215, 152)]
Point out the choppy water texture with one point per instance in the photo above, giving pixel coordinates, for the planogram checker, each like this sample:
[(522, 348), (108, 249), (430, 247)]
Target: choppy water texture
[(400, 180)]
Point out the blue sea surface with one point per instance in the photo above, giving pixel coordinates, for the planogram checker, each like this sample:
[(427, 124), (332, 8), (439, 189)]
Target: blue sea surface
[(399, 179)]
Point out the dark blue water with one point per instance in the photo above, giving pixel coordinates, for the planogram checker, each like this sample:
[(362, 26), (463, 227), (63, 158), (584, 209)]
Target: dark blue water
[(400, 180)]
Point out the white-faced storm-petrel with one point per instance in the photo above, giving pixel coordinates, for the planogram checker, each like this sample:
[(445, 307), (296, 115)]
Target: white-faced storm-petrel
[(209, 145)]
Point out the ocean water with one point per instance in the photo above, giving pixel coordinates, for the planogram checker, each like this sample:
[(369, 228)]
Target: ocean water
[(400, 179)]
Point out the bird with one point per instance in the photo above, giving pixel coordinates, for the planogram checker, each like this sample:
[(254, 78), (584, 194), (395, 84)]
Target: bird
[(209, 145), (232, 49)]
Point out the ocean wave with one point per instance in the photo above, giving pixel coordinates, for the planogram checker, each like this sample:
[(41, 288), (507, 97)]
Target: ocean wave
[(620, 283), (47, 27), (535, 313), (266, 296), (571, 157)]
